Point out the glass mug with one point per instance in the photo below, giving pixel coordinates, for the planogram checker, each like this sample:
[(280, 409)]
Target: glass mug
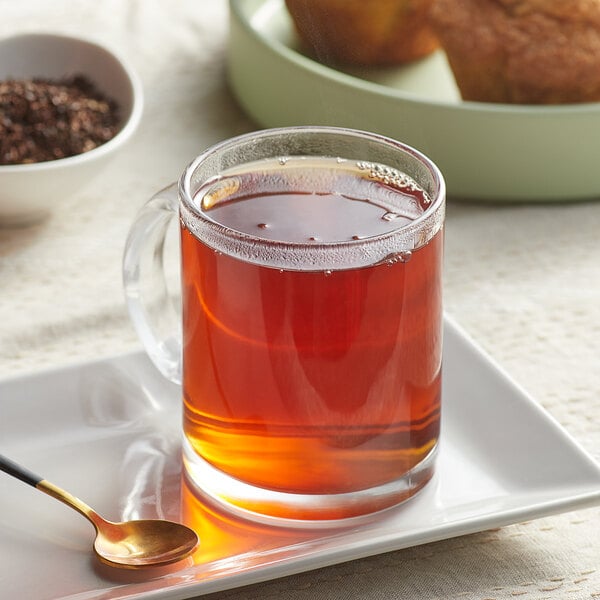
[(310, 344)]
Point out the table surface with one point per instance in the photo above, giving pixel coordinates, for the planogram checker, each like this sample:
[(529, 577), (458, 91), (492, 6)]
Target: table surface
[(523, 280)]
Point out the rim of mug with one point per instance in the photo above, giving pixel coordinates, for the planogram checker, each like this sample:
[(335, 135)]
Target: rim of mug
[(388, 247)]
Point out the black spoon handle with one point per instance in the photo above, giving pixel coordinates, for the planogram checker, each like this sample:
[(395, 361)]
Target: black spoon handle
[(12, 468)]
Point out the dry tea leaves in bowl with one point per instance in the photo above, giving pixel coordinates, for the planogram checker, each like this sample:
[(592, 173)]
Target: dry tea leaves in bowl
[(45, 119)]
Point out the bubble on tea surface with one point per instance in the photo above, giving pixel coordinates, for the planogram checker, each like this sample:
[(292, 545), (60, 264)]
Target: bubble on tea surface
[(397, 257), (219, 191), (392, 177)]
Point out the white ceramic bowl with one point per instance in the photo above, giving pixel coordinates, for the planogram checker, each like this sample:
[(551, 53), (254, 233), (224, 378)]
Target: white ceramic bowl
[(28, 192)]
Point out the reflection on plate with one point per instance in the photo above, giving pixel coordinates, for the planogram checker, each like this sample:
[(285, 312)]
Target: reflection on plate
[(486, 151), (109, 432)]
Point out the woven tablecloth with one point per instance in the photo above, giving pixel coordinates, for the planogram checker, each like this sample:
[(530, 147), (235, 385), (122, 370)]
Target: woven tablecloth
[(523, 280)]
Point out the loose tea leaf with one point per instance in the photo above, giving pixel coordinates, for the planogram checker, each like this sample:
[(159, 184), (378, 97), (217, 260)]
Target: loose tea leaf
[(44, 119)]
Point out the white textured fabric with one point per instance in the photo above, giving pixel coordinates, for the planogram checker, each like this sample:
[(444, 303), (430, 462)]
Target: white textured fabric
[(524, 281)]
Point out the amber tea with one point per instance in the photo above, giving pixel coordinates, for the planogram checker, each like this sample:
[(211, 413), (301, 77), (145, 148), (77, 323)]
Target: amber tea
[(312, 381)]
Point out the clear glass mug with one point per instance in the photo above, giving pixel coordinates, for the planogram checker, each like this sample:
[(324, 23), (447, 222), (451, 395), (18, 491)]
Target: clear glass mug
[(310, 344)]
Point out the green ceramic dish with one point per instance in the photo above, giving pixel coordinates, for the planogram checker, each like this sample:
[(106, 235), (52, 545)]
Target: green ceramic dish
[(492, 152)]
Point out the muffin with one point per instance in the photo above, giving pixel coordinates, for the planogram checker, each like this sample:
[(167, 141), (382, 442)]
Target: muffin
[(522, 51), (364, 32)]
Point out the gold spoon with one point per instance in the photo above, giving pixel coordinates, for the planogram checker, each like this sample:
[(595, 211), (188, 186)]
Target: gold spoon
[(129, 545)]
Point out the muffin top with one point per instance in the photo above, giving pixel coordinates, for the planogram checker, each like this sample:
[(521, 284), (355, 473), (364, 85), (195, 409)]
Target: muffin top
[(372, 32), (546, 50), (575, 11)]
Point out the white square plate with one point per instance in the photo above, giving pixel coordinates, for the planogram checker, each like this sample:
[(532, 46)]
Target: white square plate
[(108, 432)]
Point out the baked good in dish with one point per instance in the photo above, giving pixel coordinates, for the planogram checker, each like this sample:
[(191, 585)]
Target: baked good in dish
[(522, 51), (364, 32)]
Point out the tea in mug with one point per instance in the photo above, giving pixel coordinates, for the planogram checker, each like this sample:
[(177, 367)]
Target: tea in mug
[(307, 380)]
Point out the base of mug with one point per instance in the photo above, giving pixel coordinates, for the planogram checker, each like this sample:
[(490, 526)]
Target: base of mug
[(283, 508)]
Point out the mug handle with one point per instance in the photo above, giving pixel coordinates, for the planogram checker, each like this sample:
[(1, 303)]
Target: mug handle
[(151, 309)]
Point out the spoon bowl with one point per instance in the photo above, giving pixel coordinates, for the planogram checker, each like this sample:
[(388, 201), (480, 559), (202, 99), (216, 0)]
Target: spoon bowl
[(149, 542), (128, 544)]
